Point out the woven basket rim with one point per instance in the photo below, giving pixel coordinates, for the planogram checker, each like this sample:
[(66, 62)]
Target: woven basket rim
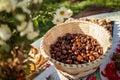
[(98, 60)]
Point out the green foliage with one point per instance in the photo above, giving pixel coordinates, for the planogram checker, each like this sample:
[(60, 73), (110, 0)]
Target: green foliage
[(47, 10), (45, 16)]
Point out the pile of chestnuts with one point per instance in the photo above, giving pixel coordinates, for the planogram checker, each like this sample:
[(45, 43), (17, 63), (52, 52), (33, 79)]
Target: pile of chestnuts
[(75, 49)]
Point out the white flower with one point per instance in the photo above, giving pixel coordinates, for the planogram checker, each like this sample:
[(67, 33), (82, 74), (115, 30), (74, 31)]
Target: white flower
[(20, 17), (5, 32), (32, 35), (13, 4), (26, 10), (62, 12), (4, 6), (29, 28), (24, 4), (29, 31), (8, 5), (57, 19), (69, 13), (22, 26)]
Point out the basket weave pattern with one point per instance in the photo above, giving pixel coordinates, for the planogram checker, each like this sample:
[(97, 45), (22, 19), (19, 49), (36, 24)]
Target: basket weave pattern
[(83, 27)]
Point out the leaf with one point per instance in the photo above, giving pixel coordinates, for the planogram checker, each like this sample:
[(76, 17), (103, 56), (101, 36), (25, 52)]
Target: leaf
[(36, 23), (43, 20)]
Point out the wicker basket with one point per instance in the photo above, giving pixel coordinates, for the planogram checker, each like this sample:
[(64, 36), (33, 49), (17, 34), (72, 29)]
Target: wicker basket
[(83, 27)]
